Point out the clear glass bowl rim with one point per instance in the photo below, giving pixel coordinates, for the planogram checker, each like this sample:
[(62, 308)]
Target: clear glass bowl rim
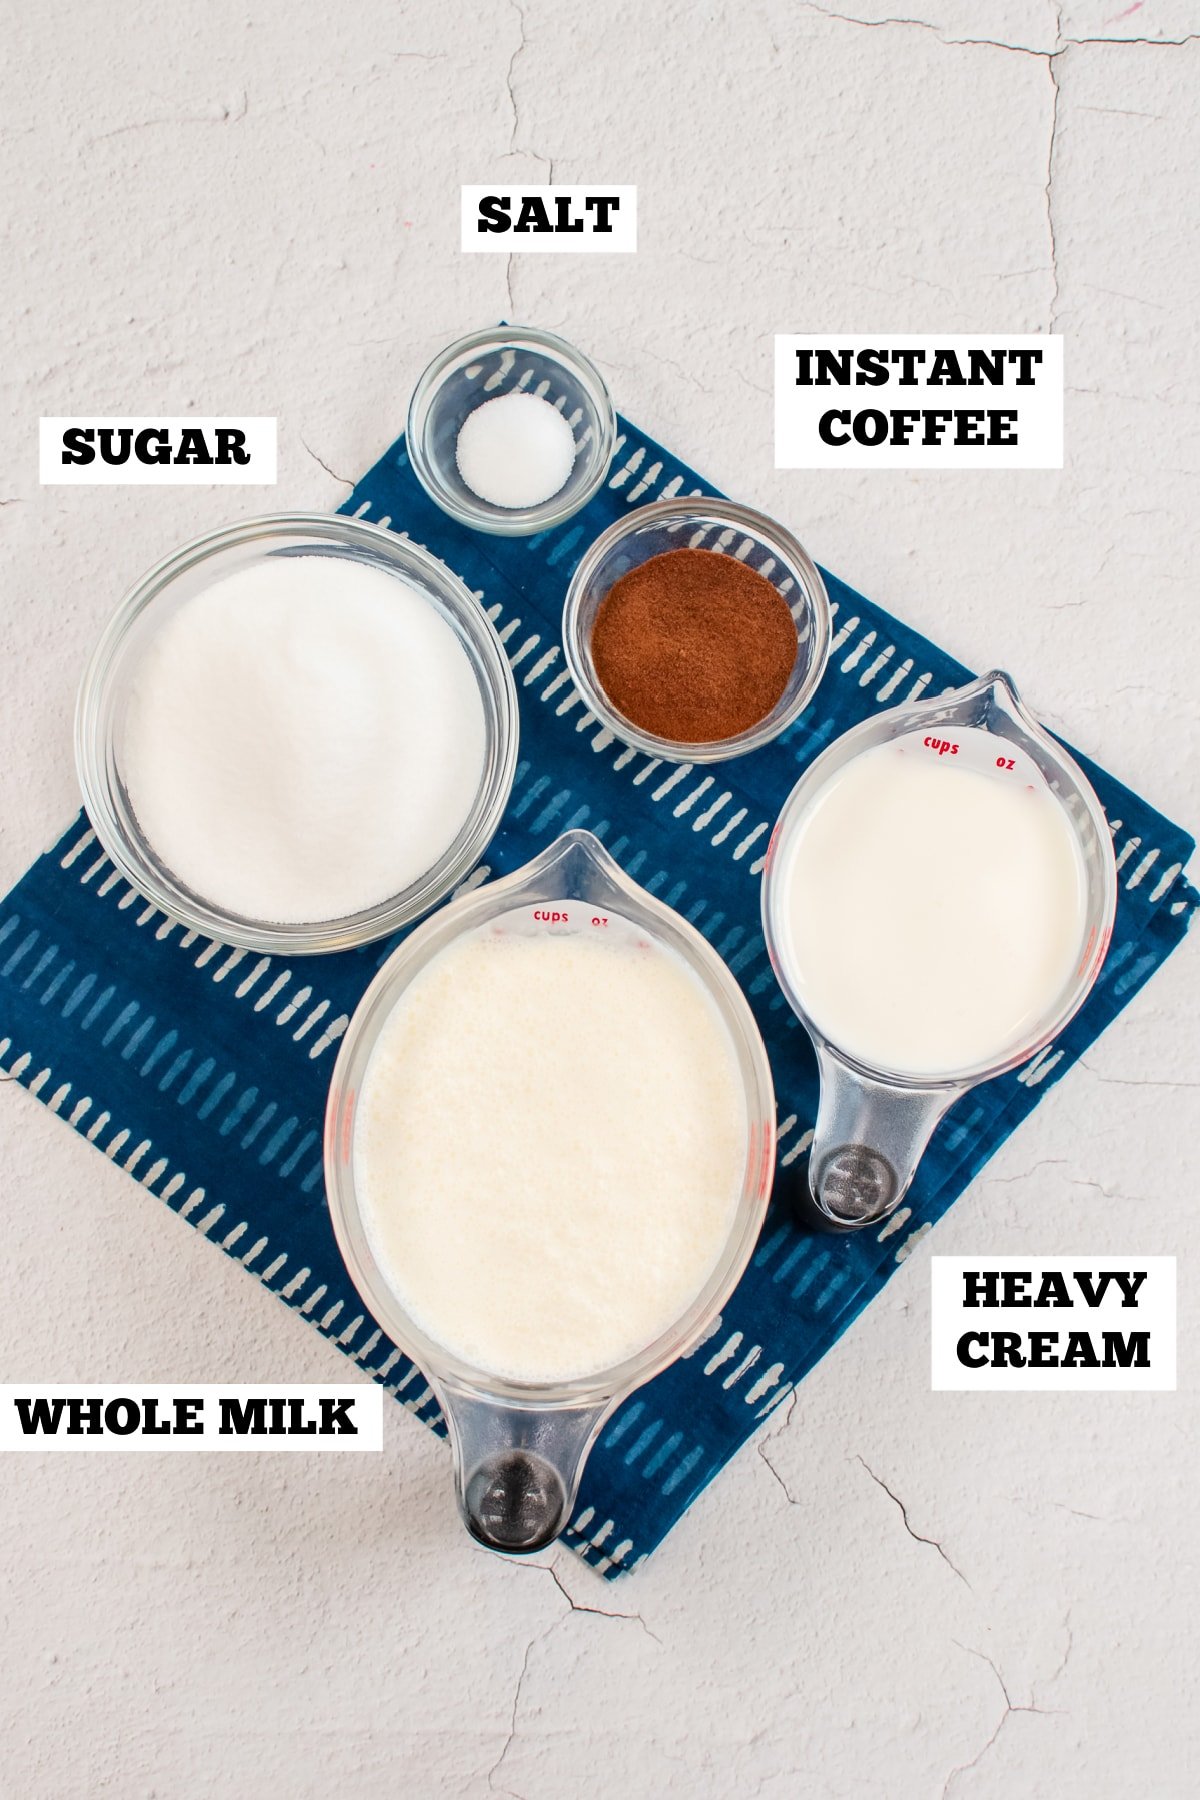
[(92, 751)]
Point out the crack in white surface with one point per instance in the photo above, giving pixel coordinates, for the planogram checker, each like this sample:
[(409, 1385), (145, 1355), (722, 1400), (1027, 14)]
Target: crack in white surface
[(515, 149), (1045, 1162), (1120, 112), (669, 362), (539, 1637), (1035, 1509), (516, 1704), (916, 1535), (344, 482), (228, 114), (923, 25), (1193, 37), (1056, 95), (1062, 43), (513, 60), (578, 1606), (787, 1492), (769, 1438), (1062, 1162), (1054, 1674), (1118, 294), (1010, 1707), (1130, 1081), (1051, 58), (1077, 1512)]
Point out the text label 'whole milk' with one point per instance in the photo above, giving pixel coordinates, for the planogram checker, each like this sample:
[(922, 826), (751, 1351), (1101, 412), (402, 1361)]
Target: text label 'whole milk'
[(149, 1415), (914, 402)]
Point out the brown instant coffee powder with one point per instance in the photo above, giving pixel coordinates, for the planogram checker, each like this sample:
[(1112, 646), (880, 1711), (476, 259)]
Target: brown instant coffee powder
[(693, 646)]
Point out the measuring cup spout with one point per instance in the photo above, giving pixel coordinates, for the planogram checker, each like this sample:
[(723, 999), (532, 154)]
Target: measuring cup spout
[(869, 1137), (517, 1467)]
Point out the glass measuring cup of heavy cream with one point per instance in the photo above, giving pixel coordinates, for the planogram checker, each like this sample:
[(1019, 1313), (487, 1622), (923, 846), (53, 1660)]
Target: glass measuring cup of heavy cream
[(549, 1149), (938, 899)]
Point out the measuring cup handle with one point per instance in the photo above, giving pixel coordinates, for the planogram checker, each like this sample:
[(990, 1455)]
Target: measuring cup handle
[(517, 1468), (868, 1140)]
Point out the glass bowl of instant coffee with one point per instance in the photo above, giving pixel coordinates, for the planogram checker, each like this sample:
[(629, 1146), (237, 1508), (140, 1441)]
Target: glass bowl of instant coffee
[(696, 629)]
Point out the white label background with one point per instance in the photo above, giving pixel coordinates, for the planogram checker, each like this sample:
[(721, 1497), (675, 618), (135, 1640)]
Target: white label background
[(1039, 408), (623, 219), (365, 1408), (260, 471), (1154, 1312)]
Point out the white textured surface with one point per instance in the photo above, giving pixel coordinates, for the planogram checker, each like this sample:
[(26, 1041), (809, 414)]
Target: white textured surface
[(233, 209)]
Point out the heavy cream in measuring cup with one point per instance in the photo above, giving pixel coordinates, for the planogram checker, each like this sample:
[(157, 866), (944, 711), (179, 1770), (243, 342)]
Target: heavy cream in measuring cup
[(550, 1144), (932, 903)]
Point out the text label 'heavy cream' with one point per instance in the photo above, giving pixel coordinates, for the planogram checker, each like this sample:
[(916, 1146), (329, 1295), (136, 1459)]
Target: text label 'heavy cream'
[(1078, 1324)]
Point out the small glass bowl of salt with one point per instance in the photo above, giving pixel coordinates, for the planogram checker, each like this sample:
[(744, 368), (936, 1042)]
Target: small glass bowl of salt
[(511, 430)]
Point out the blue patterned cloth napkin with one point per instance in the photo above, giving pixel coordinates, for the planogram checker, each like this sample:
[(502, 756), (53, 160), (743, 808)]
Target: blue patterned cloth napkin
[(203, 1070)]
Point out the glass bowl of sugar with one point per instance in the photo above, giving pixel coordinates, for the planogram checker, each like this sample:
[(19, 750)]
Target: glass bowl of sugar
[(297, 734), (511, 430)]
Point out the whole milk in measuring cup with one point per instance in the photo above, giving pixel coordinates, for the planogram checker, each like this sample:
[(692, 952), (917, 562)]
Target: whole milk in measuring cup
[(549, 1148), (937, 901), (550, 1143)]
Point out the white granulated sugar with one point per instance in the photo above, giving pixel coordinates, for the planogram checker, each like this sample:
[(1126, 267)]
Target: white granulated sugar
[(304, 739), (516, 450)]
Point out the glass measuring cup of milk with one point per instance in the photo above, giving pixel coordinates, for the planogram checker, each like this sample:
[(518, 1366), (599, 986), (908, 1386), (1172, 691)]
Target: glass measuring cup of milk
[(938, 898), (519, 1444)]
